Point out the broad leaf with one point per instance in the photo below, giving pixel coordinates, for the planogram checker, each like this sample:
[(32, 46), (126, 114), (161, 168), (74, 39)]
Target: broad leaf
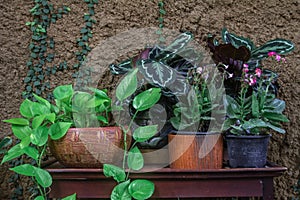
[(146, 99), (37, 121), (31, 152), (51, 117), (42, 101), (275, 128), (157, 73), (117, 173), (12, 153), (135, 159), (275, 116), (63, 93), (254, 123), (141, 189), (25, 142), (71, 197), (39, 136), (21, 131), (237, 41), (17, 121), (39, 198), (121, 191), (279, 46), (25, 169), (26, 109), (59, 129), (127, 86), (43, 177), (143, 133)]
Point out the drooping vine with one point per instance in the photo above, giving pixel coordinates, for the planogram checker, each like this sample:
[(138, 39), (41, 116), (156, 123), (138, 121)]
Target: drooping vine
[(162, 13)]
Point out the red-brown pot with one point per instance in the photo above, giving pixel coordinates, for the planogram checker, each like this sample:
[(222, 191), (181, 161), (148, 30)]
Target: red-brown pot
[(90, 147)]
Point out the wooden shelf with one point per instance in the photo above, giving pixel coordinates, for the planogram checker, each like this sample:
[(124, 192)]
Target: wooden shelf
[(171, 183)]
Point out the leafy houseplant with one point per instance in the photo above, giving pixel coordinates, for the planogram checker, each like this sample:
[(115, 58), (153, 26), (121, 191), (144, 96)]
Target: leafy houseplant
[(252, 106), (140, 188), (42, 122)]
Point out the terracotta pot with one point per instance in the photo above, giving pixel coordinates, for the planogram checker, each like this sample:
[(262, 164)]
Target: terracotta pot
[(196, 151), (90, 147)]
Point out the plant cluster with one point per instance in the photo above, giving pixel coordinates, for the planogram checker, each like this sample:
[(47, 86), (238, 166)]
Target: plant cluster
[(42, 121), (252, 106)]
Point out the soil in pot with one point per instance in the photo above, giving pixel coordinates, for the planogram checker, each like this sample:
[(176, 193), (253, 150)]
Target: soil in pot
[(247, 151)]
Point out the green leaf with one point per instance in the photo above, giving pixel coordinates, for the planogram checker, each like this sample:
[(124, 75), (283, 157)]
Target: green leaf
[(146, 99), (228, 123), (42, 101), (43, 177), (275, 116), (26, 109), (39, 198), (51, 117), (63, 93), (37, 121), (135, 159), (121, 191), (59, 129), (5, 142), (143, 133), (31, 152), (12, 153), (39, 136), (254, 123), (71, 197), (280, 46), (127, 86), (21, 131), (141, 189), (17, 121), (25, 142), (117, 173), (255, 106), (237, 41), (275, 128), (25, 169)]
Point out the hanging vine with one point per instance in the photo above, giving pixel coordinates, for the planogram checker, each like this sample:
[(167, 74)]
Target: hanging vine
[(162, 13)]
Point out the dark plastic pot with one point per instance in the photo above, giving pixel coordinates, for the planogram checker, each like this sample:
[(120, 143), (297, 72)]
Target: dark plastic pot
[(247, 151)]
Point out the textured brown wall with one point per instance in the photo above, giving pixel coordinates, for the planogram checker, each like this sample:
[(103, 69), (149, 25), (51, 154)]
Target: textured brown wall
[(260, 20)]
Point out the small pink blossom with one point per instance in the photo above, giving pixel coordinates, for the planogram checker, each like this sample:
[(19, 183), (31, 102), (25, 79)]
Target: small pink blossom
[(245, 65), (246, 70), (272, 53), (252, 81), (278, 57), (283, 60), (258, 72)]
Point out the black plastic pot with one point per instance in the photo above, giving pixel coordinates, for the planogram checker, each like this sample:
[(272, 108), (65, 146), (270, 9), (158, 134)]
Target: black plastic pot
[(247, 151)]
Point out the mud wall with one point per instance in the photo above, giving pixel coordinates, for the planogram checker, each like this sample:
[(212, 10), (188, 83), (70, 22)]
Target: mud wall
[(259, 20)]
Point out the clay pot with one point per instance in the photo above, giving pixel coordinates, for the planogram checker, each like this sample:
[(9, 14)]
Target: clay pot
[(90, 147), (196, 151)]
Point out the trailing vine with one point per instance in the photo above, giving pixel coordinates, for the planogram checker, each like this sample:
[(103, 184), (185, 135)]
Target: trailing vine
[(42, 53), (42, 46), (162, 13)]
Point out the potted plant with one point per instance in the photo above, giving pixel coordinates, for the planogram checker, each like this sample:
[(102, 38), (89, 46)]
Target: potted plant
[(170, 68), (252, 107), (197, 142)]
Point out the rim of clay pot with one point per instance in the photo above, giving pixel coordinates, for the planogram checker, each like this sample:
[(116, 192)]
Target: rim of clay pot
[(248, 136), (94, 128), (194, 133)]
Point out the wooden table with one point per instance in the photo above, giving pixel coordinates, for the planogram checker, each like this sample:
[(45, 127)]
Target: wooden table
[(171, 183)]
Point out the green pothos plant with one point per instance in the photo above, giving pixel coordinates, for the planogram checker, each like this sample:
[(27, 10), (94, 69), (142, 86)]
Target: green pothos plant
[(42, 121), (139, 188)]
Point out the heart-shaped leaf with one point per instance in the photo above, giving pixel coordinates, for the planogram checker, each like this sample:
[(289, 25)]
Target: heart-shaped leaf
[(141, 189), (127, 86), (59, 129), (146, 99), (25, 169), (121, 191), (135, 159), (17, 121), (113, 171), (143, 133), (43, 177)]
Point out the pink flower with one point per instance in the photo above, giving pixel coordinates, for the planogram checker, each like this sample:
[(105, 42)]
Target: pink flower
[(272, 53), (258, 72), (245, 70), (278, 57), (283, 60), (252, 81)]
